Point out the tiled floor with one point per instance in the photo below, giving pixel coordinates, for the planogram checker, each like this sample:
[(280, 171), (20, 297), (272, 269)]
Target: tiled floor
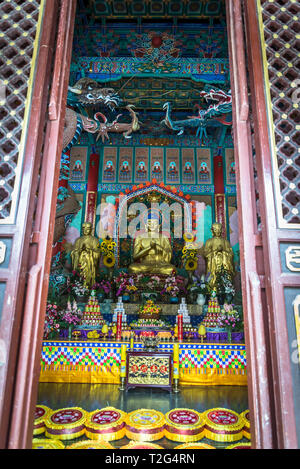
[(96, 396)]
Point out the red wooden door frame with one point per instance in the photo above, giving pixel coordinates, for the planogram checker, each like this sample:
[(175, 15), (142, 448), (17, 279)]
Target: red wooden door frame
[(270, 412)]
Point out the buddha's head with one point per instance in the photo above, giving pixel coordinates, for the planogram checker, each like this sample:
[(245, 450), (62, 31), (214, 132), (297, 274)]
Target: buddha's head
[(87, 228), (152, 225), (216, 229)]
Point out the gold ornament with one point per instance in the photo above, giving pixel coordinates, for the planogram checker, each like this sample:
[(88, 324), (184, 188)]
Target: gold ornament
[(86, 254), (152, 251), (218, 254)]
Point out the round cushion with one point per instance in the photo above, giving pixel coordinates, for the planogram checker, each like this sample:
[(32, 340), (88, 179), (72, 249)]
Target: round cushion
[(223, 425), (145, 425), (245, 416), (90, 444), (240, 446), (40, 415), (106, 424), (45, 443), (141, 445), (66, 424), (194, 446), (184, 425)]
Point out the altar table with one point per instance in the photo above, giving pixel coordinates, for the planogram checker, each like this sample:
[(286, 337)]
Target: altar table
[(99, 362)]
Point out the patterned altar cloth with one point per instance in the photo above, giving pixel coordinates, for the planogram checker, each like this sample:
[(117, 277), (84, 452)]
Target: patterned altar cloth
[(99, 362)]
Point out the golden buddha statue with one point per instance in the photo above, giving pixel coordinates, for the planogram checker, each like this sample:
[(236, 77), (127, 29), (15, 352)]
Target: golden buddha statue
[(85, 255), (152, 250), (217, 253)]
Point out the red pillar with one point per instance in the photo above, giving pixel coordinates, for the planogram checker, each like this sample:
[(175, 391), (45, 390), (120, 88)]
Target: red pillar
[(220, 205), (92, 186)]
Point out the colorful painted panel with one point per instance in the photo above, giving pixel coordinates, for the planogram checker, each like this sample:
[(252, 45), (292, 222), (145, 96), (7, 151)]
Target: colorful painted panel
[(157, 163), (172, 166), (230, 166), (125, 164), (204, 166), (141, 164), (109, 164), (188, 165), (100, 362), (78, 160)]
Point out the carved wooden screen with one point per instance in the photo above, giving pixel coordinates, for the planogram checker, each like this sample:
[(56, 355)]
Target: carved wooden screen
[(35, 42)]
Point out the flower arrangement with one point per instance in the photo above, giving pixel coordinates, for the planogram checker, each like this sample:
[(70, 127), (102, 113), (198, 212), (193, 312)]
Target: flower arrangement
[(122, 281), (52, 321), (224, 283), (103, 286), (77, 288), (230, 318), (150, 309), (107, 247), (174, 285), (199, 285), (189, 252), (151, 282), (72, 315)]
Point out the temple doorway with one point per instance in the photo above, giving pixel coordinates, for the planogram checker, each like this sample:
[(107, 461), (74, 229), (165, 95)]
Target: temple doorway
[(143, 337)]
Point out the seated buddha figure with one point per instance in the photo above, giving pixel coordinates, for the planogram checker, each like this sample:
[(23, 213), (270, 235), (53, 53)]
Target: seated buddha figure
[(152, 250)]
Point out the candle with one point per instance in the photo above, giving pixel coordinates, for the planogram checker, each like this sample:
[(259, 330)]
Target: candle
[(176, 361), (119, 326), (131, 341), (123, 361), (180, 327)]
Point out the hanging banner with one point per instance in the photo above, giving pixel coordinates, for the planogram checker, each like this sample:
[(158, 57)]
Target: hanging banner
[(172, 166), (157, 163), (109, 164), (203, 166), (188, 166), (125, 164), (141, 164)]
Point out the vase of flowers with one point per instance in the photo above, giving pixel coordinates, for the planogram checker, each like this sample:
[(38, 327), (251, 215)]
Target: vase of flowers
[(199, 289), (71, 317), (79, 291), (230, 320), (174, 286), (52, 321), (225, 287), (102, 288)]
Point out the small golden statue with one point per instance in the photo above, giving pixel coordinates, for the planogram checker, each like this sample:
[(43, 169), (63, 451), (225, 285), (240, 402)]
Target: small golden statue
[(152, 250), (217, 253), (85, 255)]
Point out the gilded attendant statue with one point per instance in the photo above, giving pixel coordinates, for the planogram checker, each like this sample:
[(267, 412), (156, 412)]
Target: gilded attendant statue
[(152, 250), (217, 253), (85, 255)]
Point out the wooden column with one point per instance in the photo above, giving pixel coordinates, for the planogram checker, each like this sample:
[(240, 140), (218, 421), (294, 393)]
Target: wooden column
[(45, 133)]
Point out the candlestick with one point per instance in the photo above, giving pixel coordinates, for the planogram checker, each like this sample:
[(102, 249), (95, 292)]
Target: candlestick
[(176, 360), (132, 341), (123, 361), (119, 326), (180, 327)]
